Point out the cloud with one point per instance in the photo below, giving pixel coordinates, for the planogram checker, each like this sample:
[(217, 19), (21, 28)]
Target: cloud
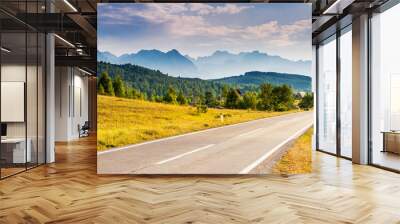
[(272, 31), (158, 13), (200, 8), (231, 9), (204, 9), (282, 35), (190, 22)]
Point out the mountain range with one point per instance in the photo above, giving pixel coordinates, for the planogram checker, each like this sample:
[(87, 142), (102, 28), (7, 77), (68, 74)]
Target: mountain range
[(217, 65), (252, 80)]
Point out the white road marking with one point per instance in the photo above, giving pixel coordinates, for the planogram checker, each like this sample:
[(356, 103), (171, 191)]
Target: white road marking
[(247, 169), (184, 154), (249, 133), (192, 133)]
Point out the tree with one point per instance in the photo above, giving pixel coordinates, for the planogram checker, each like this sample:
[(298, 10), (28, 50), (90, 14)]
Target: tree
[(100, 89), (224, 92), (133, 93), (232, 98), (221, 96), (119, 86), (201, 108), (130, 92), (265, 96), (159, 99), (153, 96), (209, 99), (147, 80), (107, 84), (250, 100), (181, 99), (307, 101), (282, 98), (170, 96)]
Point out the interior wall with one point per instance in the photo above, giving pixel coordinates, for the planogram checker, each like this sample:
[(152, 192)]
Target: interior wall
[(15, 73), (80, 110), (71, 102), (32, 126), (62, 82)]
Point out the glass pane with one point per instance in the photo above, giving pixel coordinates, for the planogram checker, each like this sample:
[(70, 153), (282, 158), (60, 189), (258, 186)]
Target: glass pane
[(385, 84), (346, 94), (23, 90), (327, 96), (13, 86)]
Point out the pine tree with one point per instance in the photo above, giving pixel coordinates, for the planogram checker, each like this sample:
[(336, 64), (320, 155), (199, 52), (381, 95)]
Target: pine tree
[(209, 99), (106, 81), (119, 87), (100, 89), (232, 98), (170, 96), (181, 99)]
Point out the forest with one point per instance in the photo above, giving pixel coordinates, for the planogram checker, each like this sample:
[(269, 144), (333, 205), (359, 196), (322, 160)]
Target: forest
[(267, 97)]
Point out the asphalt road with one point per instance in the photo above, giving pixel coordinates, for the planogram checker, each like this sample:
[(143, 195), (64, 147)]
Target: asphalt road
[(232, 149)]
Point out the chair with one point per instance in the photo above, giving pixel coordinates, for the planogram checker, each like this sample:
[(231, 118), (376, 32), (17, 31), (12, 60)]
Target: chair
[(84, 130)]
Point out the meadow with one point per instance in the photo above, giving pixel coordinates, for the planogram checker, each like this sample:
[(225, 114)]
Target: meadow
[(298, 157), (124, 121)]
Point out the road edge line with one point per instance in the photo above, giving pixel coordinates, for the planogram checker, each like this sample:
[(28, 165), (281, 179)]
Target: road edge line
[(253, 165)]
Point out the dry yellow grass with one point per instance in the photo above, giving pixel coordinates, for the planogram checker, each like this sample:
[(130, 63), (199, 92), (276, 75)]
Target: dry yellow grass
[(298, 158), (126, 121)]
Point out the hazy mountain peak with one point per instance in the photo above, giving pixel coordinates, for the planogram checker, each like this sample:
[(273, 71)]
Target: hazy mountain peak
[(189, 58), (173, 51), (152, 51), (256, 52), (221, 52), (105, 52), (219, 64)]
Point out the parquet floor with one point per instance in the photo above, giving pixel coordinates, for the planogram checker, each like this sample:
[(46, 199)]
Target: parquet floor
[(69, 191)]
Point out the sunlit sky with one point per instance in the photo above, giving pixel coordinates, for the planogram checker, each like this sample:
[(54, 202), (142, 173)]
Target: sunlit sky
[(199, 29)]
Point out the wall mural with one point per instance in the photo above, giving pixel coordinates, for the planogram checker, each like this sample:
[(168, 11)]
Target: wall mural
[(197, 88)]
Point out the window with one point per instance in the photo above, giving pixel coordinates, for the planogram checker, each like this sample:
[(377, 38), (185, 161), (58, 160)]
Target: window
[(346, 92), (385, 89), (327, 96)]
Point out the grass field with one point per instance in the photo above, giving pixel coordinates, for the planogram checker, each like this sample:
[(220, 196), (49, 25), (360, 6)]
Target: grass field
[(298, 158), (126, 121)]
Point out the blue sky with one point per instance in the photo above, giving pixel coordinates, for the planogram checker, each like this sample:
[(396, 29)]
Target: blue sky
[(198, 29)]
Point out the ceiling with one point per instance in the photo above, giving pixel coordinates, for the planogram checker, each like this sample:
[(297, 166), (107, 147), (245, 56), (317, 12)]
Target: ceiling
[(75, 22)]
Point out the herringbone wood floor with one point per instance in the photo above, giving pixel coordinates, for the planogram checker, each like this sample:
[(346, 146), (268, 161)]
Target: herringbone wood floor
[(69, 191)]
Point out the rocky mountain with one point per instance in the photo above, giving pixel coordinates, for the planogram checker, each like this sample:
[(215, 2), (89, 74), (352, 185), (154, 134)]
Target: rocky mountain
[(171, 62), (224, 63)]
